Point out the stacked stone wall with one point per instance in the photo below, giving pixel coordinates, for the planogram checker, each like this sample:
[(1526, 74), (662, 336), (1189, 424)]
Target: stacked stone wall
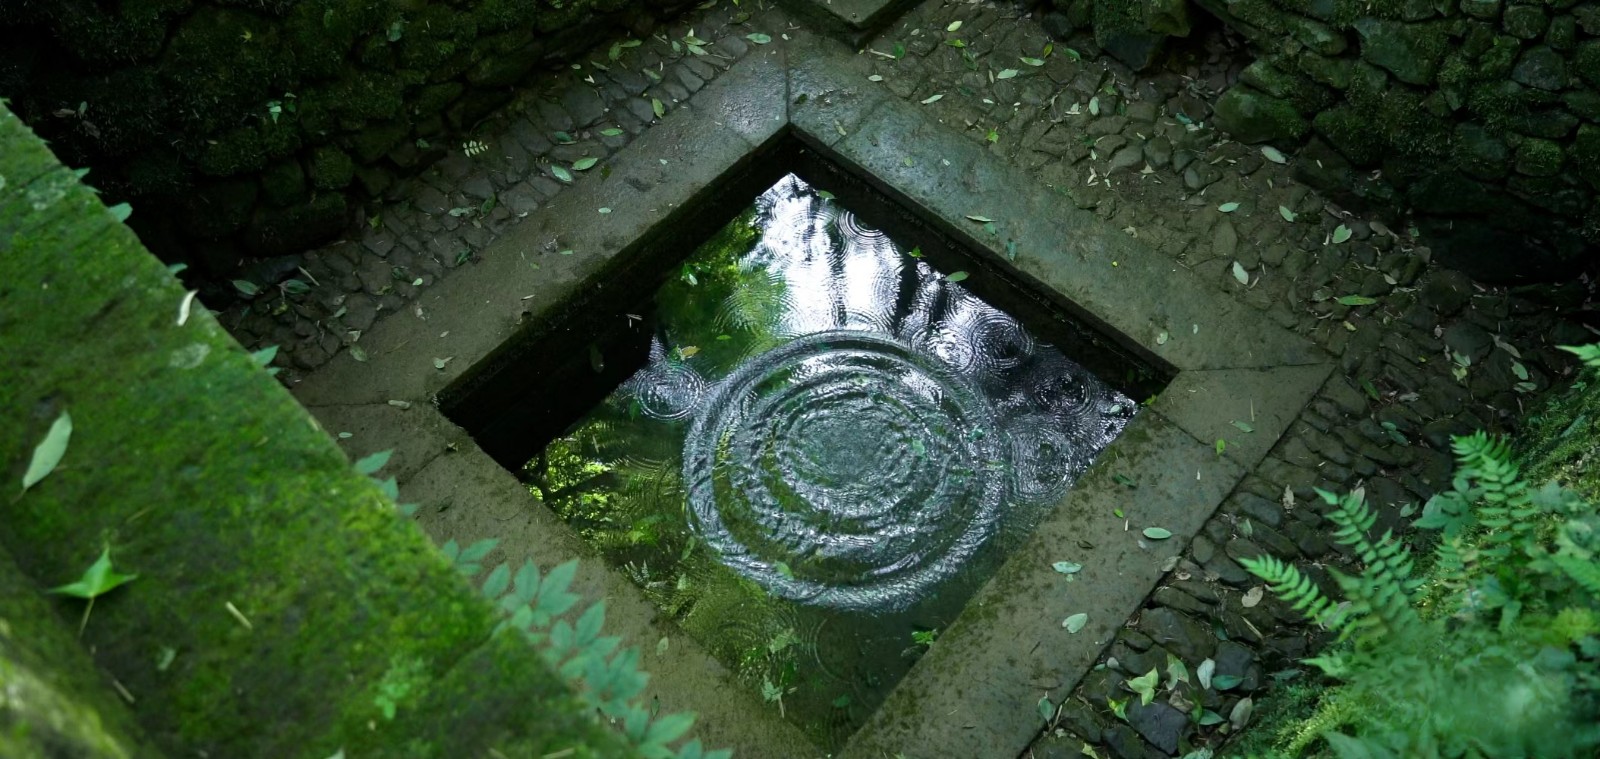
[(255, 128), (1480, 119)]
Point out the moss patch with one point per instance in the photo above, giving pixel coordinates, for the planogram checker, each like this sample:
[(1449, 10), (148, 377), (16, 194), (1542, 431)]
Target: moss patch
[(214, 485)]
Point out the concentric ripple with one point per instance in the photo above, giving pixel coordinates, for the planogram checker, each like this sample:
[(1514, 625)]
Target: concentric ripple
[(844, 469)]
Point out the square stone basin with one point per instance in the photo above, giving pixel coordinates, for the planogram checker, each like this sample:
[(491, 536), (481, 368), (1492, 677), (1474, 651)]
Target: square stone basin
[(461, 390), (823, 440)]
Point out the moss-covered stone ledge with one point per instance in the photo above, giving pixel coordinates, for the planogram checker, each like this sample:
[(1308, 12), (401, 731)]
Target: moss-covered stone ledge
[(52, 702), (280, 602)]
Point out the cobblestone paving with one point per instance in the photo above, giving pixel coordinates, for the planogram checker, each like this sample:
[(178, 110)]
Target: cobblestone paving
[(446, 216), (1425, 352)]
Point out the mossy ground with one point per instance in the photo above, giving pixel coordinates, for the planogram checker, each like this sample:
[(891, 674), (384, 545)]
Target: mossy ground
[(282, 581)]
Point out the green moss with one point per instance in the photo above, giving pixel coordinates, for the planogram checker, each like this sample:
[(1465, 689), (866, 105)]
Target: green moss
[(122, 33), (1349, 131), (284, 183), (1539, 158), (1585, 154), (223, 495), (331, 168), (56, 704)]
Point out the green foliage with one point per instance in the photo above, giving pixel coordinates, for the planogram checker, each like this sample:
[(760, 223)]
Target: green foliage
[(99, 579), (1496, 655), (539, 607)]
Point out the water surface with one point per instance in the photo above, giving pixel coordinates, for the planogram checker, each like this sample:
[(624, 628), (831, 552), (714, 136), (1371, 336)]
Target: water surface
[(831, 446)]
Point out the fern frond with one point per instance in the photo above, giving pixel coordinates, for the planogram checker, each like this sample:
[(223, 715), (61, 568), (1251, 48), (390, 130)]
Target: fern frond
[(1297, 590), (1584, 572), (1588, 354)]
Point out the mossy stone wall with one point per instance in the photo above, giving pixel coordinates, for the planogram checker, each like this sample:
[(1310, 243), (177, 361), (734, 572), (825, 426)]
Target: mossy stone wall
[(280, 601), (253, 128), (1481, 118)]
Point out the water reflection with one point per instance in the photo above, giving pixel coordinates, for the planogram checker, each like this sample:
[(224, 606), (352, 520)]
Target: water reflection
[(831, 446)]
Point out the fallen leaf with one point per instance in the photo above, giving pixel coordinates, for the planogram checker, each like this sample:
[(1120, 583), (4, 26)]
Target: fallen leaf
[(1032, 61), (1006, 74), (1228, 207), (1202, 673), (1046, 709), (1252, 597), (656, 106), (1240, 274), (1067, 567), (1240, 716), (874, 78), (612, 132), (1075, 622), (979, 219), (48, 453), (1341, 233), (1272, 154), (185, 305), (1356, 300), (954, 25), (1287, 214), (584, 164), (957, 276), (758, 38), (932, 98), (561, 174), (1157, 533)]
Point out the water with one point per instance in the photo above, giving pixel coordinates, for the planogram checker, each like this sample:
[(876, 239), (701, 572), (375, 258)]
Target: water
[(830, 448)]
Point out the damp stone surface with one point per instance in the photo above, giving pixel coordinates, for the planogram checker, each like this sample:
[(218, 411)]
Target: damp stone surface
[(830, 447)]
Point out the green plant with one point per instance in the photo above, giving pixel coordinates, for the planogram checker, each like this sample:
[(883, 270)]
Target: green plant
[(1502, 661), (99, 579), (924, 638), (539, 607)]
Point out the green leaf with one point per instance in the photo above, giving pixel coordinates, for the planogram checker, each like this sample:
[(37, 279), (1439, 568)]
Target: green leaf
[(1145, 685), (612, 132), (1046, 709), (1032, 61), (584, 164), (1157, 533), (1209, 718), (957, 276), (561, 173), (954, 25), (1287, 214), (369, 464), (1341, 234), (121, 211), (1006, 74), (246, 287), (1067, 567), (264, 356), (1240, 274), (100, 578), (979, 219), (1075, 622), (47, 454), (915, 252), (1356, 300), (1225, 682), (932, 98), (659, 109), (1273, 154), (563, 138), (758, 38), (1222, 445), (1228, 207), (670, 727), (1243, 426)]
